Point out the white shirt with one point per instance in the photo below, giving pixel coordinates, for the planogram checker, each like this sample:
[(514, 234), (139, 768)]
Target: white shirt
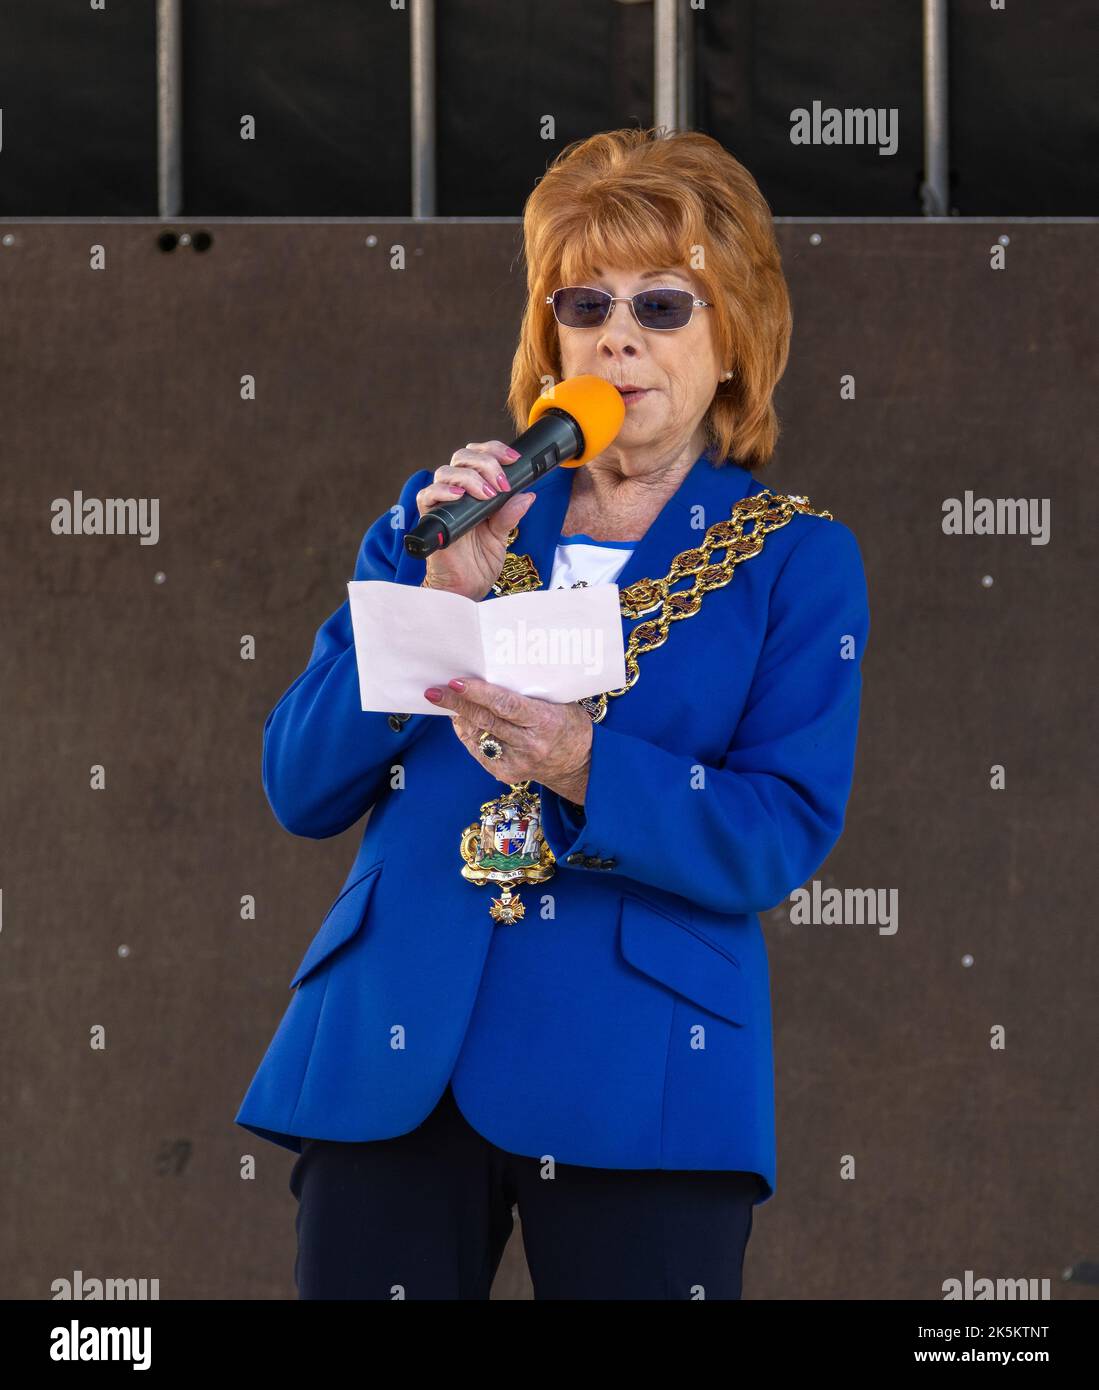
[(580, 559)]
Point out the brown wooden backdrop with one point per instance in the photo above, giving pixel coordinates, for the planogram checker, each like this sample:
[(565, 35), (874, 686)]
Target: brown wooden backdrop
[(122, 907)]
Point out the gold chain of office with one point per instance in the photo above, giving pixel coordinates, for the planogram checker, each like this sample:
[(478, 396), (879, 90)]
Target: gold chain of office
[(768, 511)]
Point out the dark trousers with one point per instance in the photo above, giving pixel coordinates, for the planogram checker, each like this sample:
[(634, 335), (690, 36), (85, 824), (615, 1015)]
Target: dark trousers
[(427, 1215)]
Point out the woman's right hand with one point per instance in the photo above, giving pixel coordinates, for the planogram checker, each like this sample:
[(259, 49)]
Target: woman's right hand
[(472, 564)]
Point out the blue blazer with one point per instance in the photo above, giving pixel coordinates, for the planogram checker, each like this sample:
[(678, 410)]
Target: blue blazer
[(625, 1022)]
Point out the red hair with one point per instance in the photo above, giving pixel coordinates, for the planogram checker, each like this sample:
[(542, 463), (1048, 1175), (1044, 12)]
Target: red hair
[(650, 198)]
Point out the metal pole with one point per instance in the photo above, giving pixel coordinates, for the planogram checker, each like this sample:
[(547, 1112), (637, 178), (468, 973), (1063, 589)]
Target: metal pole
[(935, 190), (422, 15), (169, 109), (666, 64), (686, 94)]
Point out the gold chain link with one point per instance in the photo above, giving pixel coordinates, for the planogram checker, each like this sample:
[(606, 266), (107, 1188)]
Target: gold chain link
[(767, 510)]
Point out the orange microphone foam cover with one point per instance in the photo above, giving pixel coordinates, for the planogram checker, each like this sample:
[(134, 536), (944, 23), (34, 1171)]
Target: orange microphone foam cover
[(595, 405)]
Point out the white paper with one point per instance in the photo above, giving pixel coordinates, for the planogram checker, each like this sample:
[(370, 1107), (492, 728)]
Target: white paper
[(551, 644)]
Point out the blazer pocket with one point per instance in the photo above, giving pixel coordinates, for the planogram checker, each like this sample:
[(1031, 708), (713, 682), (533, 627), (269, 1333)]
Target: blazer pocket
[(674, 954), (345, 917)]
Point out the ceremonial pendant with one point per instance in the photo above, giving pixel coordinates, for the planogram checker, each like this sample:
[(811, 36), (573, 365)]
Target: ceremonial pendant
[(507, 847)]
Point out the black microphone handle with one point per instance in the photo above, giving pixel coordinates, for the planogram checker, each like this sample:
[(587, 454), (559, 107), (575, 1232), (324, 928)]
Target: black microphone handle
[(554, 437)]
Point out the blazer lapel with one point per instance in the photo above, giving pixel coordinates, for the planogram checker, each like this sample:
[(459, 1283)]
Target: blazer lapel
[(540, 528), (711, 489)]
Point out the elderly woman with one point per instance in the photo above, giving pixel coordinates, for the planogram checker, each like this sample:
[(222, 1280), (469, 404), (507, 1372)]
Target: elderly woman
[(598, 1057)]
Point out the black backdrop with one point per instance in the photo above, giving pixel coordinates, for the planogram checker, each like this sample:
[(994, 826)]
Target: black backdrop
[(328, 84)]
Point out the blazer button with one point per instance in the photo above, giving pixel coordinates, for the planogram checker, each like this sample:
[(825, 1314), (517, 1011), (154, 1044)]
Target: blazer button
[(608, 863), (575, 858), (593, 861), (398, 721)]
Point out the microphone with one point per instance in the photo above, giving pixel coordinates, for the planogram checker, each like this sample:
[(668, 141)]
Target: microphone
[(570, 424)]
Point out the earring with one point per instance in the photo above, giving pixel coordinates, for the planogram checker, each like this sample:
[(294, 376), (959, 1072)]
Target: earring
[(726, 376)]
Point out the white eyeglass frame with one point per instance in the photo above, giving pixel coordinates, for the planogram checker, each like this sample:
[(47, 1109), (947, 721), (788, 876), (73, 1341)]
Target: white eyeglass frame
[(628, 299)]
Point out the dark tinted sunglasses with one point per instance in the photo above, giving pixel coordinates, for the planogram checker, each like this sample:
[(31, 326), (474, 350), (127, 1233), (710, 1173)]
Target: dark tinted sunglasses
[(581, 306)]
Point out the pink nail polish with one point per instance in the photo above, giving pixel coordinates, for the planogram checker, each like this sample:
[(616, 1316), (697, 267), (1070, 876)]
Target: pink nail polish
[(456, 684), (505, 486), (433, 695)]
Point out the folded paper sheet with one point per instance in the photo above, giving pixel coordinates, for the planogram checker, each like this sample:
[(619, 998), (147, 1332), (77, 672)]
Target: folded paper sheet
[(551, 644)]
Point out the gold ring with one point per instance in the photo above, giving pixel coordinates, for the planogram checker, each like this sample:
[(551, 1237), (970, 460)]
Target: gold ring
[(490, 746)]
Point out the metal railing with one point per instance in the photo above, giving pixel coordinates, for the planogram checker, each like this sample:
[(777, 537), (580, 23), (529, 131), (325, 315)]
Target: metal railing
[(673, 98)]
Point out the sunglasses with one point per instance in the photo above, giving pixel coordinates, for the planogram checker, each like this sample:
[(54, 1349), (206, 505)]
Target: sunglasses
[(580, 306)]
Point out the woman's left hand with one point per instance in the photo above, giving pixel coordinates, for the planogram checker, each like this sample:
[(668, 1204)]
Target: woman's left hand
[(543, 742)]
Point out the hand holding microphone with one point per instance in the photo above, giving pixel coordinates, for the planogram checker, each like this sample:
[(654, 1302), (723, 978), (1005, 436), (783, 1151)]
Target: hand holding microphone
[(464, 538), (471, 564)]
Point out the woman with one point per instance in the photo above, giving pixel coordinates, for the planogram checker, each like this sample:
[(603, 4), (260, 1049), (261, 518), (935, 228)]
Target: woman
[(599, 1056)]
